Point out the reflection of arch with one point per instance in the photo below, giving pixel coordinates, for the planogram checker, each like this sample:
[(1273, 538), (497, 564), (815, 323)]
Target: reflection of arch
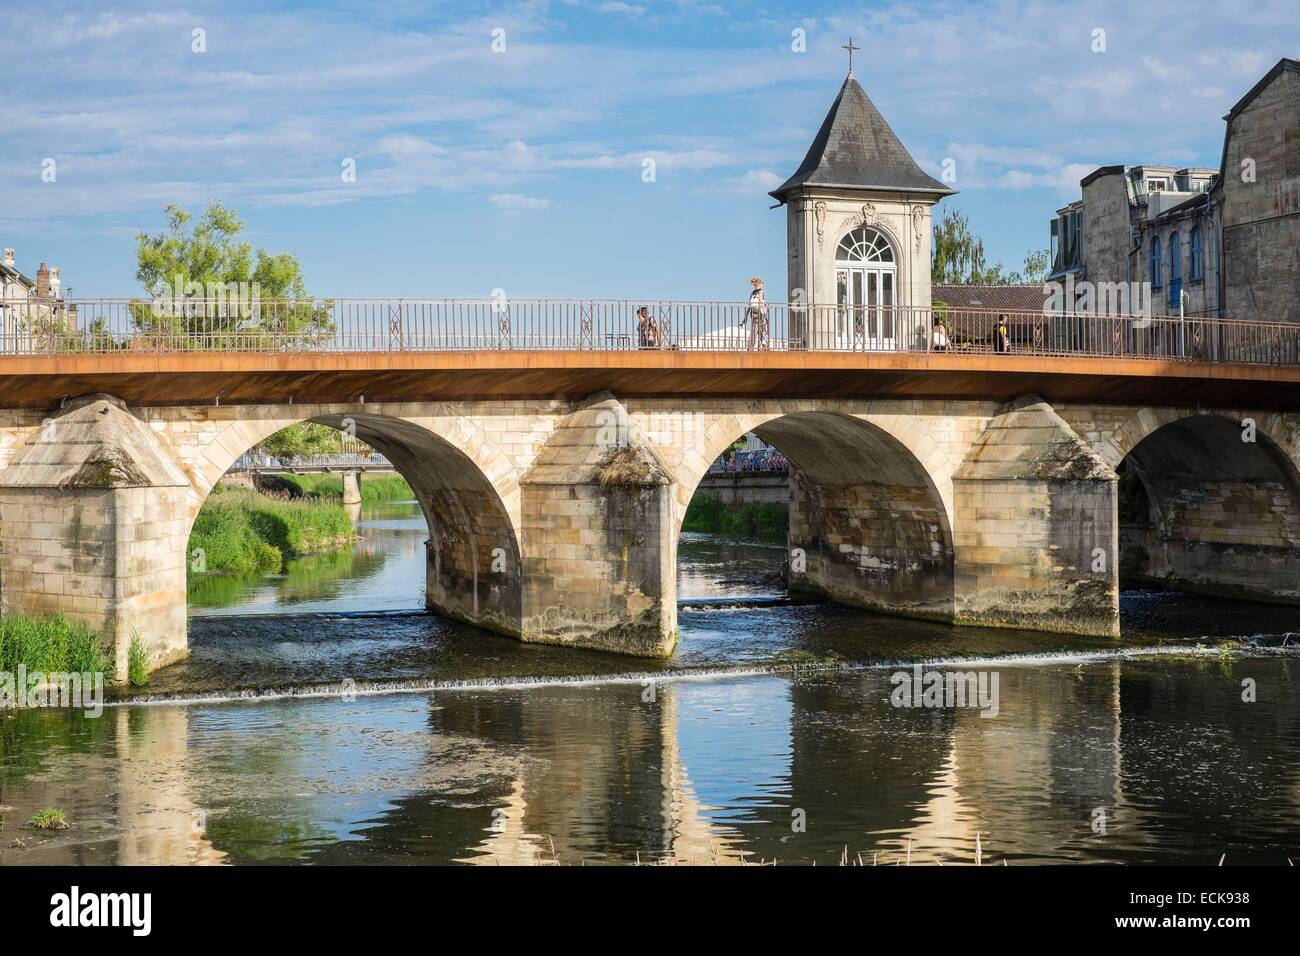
[(466, 487)]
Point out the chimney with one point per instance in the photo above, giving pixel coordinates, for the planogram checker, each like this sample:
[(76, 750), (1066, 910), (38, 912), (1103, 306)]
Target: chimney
[(9, 258), (43, 281), (54, 282)]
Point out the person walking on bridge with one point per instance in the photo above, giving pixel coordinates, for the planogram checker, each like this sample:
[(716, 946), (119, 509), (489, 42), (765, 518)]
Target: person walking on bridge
[(1002, 335), (756, 316), (647, 329)]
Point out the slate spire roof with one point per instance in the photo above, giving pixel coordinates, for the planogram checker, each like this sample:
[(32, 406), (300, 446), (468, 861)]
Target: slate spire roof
[(855, 148)]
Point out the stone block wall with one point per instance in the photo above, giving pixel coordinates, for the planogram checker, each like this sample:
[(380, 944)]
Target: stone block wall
[(598, 568), (598, 534), (1035, 529), (1261, 213), (1038, 554), (870, 545), (110, 558)]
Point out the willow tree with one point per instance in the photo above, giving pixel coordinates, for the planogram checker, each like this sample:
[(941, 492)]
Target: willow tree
[(957, 257)]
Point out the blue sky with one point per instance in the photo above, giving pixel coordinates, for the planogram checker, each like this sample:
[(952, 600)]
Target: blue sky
[(522, 169)]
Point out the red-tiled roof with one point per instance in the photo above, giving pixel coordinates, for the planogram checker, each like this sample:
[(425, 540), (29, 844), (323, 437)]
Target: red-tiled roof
[(1001, 298)]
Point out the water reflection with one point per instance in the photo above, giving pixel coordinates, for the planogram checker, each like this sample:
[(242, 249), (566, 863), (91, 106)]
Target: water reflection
[(713, 770), (385, 570), (598, 766)]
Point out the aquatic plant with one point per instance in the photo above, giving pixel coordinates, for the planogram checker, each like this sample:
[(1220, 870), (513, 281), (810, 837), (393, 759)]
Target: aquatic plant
[(50, 644), (48, 819), (137, 662), (244, 531)]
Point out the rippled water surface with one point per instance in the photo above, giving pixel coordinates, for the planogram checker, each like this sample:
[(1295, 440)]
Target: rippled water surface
[(1135, 751)]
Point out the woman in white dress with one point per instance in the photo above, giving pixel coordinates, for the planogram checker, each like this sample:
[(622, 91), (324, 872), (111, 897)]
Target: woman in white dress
[(756, 316)]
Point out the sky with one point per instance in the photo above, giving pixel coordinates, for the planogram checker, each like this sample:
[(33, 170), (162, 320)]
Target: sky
[(503, 146)]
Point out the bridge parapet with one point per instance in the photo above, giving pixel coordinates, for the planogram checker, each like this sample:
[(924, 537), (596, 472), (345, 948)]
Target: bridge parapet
[(311, 326)]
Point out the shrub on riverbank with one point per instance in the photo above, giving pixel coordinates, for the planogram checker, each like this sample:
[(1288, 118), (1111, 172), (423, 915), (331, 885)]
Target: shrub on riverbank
[(224, 536), (383, 487), (708, 514), (50, 644), (242, 531)]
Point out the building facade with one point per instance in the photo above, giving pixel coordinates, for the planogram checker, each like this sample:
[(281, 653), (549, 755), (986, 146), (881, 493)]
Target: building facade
[(31, 310), (1189, 241)]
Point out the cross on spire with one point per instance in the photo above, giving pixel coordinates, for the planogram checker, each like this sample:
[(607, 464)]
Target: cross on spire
[(850, 47)]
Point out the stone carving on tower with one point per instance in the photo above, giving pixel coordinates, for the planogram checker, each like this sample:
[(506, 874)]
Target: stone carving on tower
[(858, 231)]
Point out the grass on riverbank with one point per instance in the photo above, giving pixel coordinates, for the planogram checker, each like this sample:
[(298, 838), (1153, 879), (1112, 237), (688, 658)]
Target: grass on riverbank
[(242, 531), (50, 644), (381, 487), (708, 514)]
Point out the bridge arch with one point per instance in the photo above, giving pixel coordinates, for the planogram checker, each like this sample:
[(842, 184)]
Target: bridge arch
[(1281, 430), (870, 499), (691, 454), (466, 487), (1209, 503)]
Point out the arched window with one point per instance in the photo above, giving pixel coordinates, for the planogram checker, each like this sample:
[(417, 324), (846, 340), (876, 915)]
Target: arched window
[(1196, 269), (864, 245), (1175, 268), (866, 277), (1155, 262)]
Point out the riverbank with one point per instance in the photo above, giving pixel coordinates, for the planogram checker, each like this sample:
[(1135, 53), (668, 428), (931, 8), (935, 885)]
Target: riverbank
[(240, 531), (382, 487), (710, 515)]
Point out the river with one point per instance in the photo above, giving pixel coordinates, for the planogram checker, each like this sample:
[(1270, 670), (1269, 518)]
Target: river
[(322, 718)]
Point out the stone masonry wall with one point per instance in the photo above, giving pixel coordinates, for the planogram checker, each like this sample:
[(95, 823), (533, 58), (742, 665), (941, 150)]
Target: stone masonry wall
[(1035, 533), (870, 545), (1261, 217)]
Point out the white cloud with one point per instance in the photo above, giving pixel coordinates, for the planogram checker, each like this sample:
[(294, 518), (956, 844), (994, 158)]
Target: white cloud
[(517, 201), (753, 183)]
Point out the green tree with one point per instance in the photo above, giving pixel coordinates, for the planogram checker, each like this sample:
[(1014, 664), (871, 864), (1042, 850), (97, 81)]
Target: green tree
[(210, 290), (958, 255), (1037, 266), (303, 440)]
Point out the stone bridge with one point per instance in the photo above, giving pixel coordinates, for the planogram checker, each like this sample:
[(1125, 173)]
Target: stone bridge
[(554, 517)]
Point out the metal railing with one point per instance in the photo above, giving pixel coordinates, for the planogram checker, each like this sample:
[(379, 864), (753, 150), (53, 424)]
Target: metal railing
[(254, 460), (108, 326)]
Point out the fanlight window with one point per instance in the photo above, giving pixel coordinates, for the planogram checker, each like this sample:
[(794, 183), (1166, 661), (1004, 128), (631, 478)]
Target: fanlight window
[(865, 245)]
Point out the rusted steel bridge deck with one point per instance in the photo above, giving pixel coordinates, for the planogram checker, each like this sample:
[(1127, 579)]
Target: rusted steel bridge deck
[(341, 350)]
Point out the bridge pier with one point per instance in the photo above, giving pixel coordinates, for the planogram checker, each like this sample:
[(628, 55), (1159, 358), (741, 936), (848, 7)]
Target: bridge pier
[(598, 545), (94, 528), (352, 487), (1035, 530)]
